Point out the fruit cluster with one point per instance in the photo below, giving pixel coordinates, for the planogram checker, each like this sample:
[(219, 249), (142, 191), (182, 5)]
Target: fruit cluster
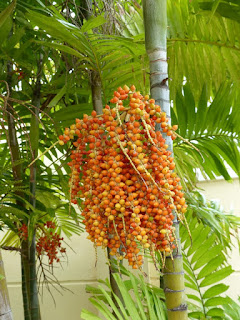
[(123, 171), (48, 243), (23, 232)]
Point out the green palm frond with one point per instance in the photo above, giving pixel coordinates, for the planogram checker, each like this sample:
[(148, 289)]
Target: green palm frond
[(115, 58), (205, 267), (65, 222), (227, 8), (223, 225), (232, 310), (212, 127), (10, 238), (202, 47), (138, 300), (67, 219)]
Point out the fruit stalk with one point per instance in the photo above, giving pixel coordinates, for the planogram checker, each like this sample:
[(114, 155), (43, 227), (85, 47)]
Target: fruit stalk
[(155, 21)]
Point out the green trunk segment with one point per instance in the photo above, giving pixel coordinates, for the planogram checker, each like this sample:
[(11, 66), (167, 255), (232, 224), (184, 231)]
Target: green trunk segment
[(25, 291), (174, 299), (5, 309), (94, 77), (176, 266), (15, 154), (155, 22), (114, 286), (174, 281), (178, 313), (34, 302), (96, 88), (34, 141)]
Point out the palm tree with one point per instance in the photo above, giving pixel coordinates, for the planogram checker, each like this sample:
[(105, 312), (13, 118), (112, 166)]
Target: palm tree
[(187, 41), (23, 133), (199, 35)]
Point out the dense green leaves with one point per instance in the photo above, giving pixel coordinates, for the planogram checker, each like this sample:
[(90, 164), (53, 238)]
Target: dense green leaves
[(52, 200), (232, 310), (212, 215), (6, 13), (97, 52), (206, 45), (203, 42), (204, 266), (229, 8), (211, 128), (214, 133), (137, 299)]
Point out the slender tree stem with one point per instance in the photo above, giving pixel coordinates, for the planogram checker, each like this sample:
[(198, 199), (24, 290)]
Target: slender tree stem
[(34, 140), (14, 150), (25, 287), (155, 21), (96, 88)]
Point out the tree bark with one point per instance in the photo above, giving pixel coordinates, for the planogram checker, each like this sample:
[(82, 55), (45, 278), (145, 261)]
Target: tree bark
[(96, 88), (5, 309), (25, 282), (15, 159), (155, 22)]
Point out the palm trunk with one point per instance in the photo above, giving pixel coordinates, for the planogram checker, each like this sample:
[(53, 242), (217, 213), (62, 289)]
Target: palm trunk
[(94, 77), (25, 287), (155, 21), (34, 141), (33, 288), (96, 88), (16, 168), (5, 309)]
